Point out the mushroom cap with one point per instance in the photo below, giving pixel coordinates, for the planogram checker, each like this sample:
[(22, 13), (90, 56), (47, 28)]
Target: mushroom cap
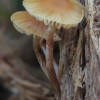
[(65, 13), (25, 23)]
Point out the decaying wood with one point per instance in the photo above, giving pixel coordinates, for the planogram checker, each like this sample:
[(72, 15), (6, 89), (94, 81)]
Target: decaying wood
[(92, 33), (71, 61), (79, 65)]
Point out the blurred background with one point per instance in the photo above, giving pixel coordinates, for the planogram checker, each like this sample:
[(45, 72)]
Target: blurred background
[(21, 77), (20, 42)]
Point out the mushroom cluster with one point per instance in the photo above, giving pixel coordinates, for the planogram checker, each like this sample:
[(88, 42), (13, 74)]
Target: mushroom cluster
[(41, 20)]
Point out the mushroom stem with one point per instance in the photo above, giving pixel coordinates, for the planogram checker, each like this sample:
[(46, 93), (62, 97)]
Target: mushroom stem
[(49, 62), (39, 45), (40, 56), (43, 47)]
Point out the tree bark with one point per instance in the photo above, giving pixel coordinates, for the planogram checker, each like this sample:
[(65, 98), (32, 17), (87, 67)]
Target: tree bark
[(92, 33), (79, 64)]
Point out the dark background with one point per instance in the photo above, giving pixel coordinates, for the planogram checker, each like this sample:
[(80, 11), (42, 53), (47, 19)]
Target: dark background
[(20, 43)]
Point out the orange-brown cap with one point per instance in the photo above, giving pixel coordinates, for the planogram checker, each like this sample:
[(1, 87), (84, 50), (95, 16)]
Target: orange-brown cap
[(65, 13), (25, 23)]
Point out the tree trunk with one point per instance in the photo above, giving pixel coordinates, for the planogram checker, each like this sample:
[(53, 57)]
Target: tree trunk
[(79, 65)]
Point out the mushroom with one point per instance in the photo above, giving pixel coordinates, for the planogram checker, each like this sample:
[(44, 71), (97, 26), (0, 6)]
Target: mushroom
[(25, 23), (55, 13)]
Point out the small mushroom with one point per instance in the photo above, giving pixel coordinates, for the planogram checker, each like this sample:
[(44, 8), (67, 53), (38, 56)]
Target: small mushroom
[(55, 13), (65, 13), (25, 23)]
